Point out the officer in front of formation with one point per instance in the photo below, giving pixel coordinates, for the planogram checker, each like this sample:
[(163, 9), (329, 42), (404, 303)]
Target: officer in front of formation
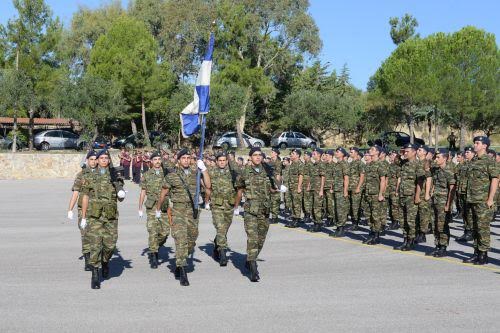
[(101, 190), (158, 228)]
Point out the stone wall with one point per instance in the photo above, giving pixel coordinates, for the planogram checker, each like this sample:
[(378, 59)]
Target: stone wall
[(38, 165)]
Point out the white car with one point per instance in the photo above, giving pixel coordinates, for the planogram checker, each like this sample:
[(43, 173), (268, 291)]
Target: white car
[(229, 140)]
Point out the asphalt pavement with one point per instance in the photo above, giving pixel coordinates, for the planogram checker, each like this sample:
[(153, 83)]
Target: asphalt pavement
[(309, 282)]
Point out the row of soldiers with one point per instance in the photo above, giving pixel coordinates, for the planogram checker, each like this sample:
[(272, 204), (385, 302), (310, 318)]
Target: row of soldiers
[(416, 189), (168, 193)]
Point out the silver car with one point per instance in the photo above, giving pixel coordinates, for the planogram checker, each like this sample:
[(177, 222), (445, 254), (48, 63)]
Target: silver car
[(56, 139), (292, 140), (229, 140), (6, 143)]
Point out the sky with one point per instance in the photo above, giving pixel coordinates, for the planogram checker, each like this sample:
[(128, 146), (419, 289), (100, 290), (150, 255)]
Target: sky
[(355, 33)]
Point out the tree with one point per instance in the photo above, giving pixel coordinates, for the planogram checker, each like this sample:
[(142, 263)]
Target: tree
[(149, 12), (127, 54), (403, 29)]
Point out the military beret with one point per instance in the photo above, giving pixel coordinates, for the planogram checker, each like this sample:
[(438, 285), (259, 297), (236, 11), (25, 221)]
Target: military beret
[(483, 139), (468, 149), (410, 146), (308, 153), (154, 154), (254, 150), (342, 150), (318, 150), (297, 151), (492, 151), (276, 150), (383, 151), (182, 152), (286, 158), (102, 152), (330, 152), (432, 150), (356, 149), (90, 154), (424, 147), (220, 154), (442, 151), (393, 152), (378, 148)]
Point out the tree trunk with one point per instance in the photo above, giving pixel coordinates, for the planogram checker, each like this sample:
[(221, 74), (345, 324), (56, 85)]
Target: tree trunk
[(462, 135), (30, 128), (240, 123), (411, 123), (134, 126), (96, 134), (14, 137), (436, 129), (429, 126), (144, 126)]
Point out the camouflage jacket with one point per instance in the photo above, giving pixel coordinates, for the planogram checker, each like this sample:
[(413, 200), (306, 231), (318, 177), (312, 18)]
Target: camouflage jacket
[(77, 184), (223, 190), (328, 171), (101, 191), (427, 174), (411, 173), (356, 168), (481, 171), (316, 171), (341, 169), (462, 176), (442, 179), (295, 169), (176, 187), (392, 177), (373, 172), (152, 182), (306, 173), (256, 184)]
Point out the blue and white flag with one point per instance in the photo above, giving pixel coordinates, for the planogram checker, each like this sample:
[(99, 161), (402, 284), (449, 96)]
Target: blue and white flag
[(190, 122)]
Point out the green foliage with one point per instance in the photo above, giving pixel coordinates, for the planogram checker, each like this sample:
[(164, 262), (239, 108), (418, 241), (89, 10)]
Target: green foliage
[(402, 29)]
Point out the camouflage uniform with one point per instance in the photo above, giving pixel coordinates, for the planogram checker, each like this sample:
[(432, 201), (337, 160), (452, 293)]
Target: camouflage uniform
[(411, 173), (77, 186), (356, 168), (376, 209), (285, 173), (316, 173), (184, 226), (307, 197), (443, 179), (481, 172), (462, 176), (102, 215), (295, 169), (341, 205), (276, 197), (392, 182), (385, 166), (328, 201), (158, 228), (257, 186), (424, 207), (222, 199)]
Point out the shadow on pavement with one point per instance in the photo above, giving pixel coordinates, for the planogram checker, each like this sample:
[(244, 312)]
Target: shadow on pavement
[(117, 264)]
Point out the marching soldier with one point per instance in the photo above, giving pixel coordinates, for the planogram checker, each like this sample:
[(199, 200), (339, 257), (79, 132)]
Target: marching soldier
[(392, 190), (442, 199), (424, 214), (276, 196), (77, 186), (316, 188), (356, 180), (181, 184), (463, 176), (158, 228), (221, 198), (255, 183), (340, 190), (295, 179), (482, 185), (101, 190), (306, 178)]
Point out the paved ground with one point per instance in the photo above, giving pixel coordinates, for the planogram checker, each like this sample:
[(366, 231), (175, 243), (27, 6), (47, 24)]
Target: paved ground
[(310, 282)]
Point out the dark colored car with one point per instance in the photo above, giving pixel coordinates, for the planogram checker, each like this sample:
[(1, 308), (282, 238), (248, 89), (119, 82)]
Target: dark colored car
[(6, 143), (394, 138), (133, 141)]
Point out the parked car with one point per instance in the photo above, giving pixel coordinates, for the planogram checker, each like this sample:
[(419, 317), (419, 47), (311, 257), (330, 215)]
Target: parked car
[(292, 140), (137, 140), (6, 143), (100, 142), (394, 138), (230, 140), (56, 139)]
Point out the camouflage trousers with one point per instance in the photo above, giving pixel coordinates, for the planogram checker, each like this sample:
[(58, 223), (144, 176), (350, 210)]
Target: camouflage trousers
[(376, 212), (328, 204), (222, 217), (341, 208), (465, 211), (307, 202), (158, 230), (355, 205), (275, 204), (441, 226), (256, 227), (317, 207), (184, 230), (83, 234), (394, 207), (409, 210), (424, 215), (102, 234), (481, 219), (295, 203)]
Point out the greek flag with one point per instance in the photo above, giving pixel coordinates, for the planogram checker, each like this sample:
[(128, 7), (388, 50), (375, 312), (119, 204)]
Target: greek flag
[(190, 122)]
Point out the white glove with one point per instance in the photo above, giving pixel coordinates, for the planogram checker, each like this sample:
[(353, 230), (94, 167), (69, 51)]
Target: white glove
[(207, 206), (158, 214), (283, 189), (121, 194), (201, 165), (83, 223), (70, 214), (236, 211), (141, 214)]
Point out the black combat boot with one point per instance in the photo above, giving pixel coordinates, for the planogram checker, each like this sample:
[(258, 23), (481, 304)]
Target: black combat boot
[(375, 239), (87, 267), (254, 275), (430, 229), (354, 226), (441, 252), (433, 252), (463, 237), (402, 245), (154, 260), (215, 253), (410, 245), (105, 270), (383, 230), (316, 227), (177, 272), (183, 277), (473, 258), (482, 258), (370, 236), (469, 236), (394, 225), (95, 282), (329, 222), (273, 220), (339, 232), (223, 258)]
